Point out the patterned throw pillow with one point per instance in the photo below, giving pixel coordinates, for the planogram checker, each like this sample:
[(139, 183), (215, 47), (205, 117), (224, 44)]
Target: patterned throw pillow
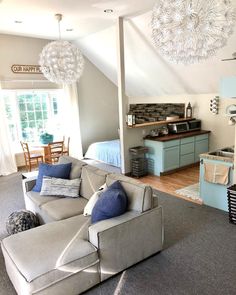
[(58, 171), (60, 187)]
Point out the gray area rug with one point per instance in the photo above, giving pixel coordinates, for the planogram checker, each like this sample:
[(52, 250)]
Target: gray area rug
[(199, 255)]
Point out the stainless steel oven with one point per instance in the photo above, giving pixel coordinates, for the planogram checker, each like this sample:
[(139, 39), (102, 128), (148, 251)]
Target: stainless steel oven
[(181, 127), (178, 127)]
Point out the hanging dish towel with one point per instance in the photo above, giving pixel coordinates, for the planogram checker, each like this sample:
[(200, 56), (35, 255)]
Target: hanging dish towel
[(216, 173)]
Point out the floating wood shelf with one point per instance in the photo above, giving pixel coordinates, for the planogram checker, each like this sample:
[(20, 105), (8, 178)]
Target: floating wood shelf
[(159, 122)]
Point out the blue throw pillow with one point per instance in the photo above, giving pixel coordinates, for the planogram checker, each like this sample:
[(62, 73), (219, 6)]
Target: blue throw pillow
[(112, 202), (57, 171)]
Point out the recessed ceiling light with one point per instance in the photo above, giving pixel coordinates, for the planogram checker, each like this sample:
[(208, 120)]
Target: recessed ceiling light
[(69, 30), (18, 22), (108, 10)]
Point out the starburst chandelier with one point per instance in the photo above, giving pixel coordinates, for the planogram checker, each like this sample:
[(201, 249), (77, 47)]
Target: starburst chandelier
[(61, 62), (188, 31)]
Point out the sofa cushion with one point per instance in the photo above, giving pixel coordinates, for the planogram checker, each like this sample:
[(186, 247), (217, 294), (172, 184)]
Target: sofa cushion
[(39, 200), (140, 196), (112, 202), (59, 171), (52, 186), (56, 244), (92, 179), (64, 207), (76, 166)]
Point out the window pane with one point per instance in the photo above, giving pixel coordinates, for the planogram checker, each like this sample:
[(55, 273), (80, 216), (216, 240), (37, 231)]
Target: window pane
[(30, 113), (38, 115), (30, 106), (44, 105), (37, 106), (32, 124), (23, 116), (24, 125), (39, 124), (22, 107), (31, 116), (45, 115), (21, 98), (55, 108)]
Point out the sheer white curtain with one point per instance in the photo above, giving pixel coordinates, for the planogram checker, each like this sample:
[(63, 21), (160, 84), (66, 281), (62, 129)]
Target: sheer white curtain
[(7, 156), (71, 122)]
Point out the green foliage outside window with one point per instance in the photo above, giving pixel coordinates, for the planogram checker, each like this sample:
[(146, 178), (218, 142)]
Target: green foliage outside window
[(29, 113)]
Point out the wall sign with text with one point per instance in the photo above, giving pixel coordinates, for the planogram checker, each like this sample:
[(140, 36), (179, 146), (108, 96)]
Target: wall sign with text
[(26, 69)]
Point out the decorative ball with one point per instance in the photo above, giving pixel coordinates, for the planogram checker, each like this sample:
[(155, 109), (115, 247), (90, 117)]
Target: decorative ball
[(61, 62), (20, 221), (189, 31)]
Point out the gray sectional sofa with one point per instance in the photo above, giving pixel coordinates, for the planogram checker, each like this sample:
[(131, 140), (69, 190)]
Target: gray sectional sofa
[(67, 254)]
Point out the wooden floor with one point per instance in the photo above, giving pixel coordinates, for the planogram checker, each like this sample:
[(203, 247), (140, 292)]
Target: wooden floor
[(172, 182)]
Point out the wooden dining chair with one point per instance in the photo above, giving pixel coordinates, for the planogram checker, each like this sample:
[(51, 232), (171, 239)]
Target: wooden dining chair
[(55, 150), (31, 159), (66, 148)]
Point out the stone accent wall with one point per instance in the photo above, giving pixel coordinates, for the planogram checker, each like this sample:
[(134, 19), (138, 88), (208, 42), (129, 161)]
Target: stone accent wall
[(156, 111)]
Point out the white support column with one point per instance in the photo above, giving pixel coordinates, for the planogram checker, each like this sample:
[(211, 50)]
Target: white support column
[(234, 171), (122, 99)]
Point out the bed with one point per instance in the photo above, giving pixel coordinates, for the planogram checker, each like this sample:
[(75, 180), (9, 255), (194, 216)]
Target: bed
[(105, 151)]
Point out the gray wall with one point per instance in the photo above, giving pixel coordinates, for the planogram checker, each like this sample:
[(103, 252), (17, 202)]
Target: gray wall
[(98, 105), (97, 94), (23, 51)]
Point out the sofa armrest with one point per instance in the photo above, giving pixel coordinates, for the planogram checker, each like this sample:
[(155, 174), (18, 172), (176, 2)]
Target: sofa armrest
[(28, 184), (127, 239)]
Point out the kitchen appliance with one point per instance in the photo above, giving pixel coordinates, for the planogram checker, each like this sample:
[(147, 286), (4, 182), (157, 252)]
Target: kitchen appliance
[(155, 132), (184, 126), (164, 130), (178, 127), (194, 125)]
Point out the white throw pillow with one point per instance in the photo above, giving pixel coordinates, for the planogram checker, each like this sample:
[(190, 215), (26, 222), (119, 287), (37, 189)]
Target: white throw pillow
[(60, 187), (93, 200)]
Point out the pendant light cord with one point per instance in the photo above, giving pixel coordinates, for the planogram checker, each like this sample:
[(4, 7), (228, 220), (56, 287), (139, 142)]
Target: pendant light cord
[(59, 29), (58, 16)]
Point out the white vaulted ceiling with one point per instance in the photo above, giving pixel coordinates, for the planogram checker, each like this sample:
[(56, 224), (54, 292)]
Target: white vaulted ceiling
[(147, 72), (84, 16)]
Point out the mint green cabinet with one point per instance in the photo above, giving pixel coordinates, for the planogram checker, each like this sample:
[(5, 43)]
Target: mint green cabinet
[(186, 159), (201, 146), (214, 194), (186, 151), (171, 158), (173, 154)]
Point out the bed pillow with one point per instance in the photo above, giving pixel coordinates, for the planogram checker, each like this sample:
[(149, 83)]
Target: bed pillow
[(111, 203), (60, 187), (93, 200), (58, 171)]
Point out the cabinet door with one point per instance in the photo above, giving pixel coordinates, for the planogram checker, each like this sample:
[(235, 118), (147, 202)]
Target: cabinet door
[(171, 158), (186, 159), (201, 147), (187, 148)]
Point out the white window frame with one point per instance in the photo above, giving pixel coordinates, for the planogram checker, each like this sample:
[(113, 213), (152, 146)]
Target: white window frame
[(16, 110)]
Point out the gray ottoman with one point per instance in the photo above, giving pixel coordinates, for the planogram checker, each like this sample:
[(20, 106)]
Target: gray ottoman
[(21, 220)]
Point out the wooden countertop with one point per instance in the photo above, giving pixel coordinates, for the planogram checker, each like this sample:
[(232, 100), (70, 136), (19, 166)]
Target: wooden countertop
[(177, 136)]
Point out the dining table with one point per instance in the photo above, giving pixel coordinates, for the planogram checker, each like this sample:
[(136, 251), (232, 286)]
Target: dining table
[(42, 146)]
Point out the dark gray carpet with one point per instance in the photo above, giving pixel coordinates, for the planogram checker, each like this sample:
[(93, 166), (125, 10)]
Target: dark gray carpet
[(199, 255)]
